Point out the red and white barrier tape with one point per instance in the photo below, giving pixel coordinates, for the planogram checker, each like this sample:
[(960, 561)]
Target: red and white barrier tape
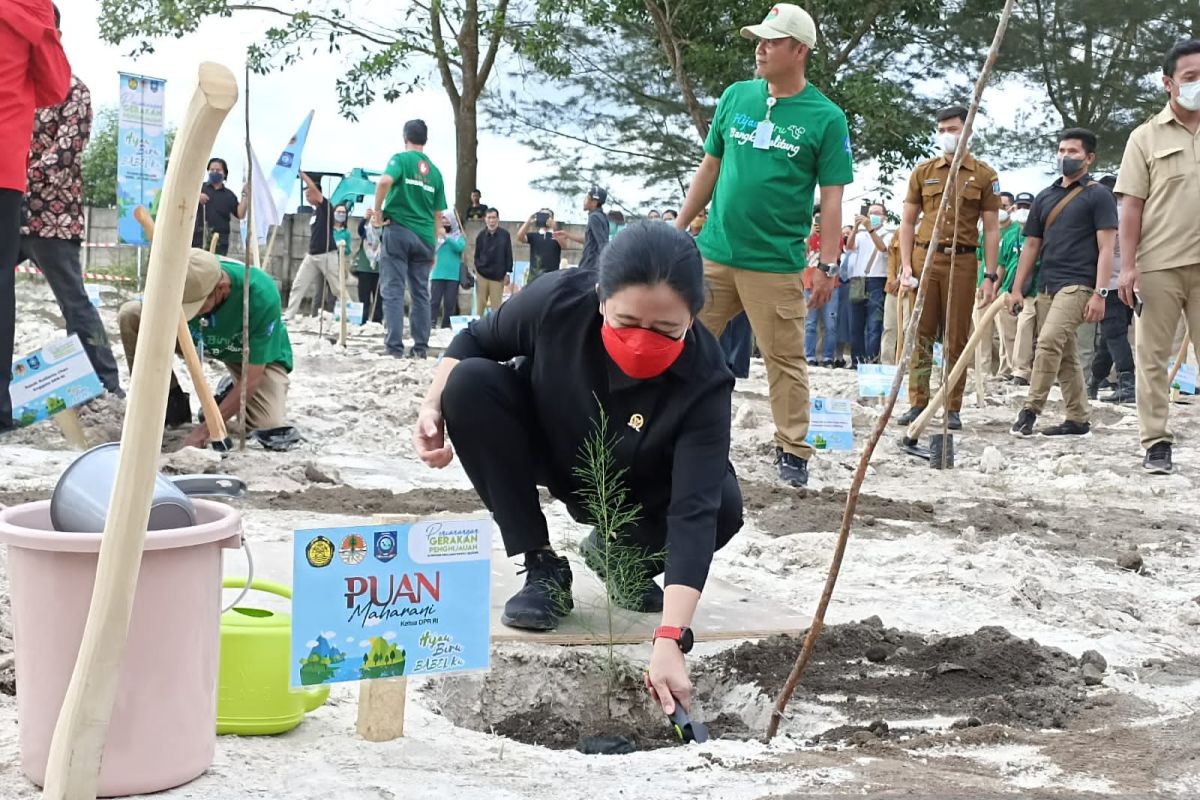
[(91, 276)]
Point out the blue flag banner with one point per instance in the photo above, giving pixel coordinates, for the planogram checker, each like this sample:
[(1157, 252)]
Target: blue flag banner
[(141, 152)]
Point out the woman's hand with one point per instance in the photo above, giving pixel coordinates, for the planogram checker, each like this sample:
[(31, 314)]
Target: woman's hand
[(429, 439), (667, 679)]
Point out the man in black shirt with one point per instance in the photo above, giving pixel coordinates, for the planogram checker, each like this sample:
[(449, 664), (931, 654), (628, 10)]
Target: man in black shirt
[(545, 254), (493, 263), (1072, 227), (217, 206), (597, 235), (321, 263), (477, 210)]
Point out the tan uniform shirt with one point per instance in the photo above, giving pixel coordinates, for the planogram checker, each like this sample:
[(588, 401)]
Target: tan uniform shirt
[(1162, 167), (980, 192)]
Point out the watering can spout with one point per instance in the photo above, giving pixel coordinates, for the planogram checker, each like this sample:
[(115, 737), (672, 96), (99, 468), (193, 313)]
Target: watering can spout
[(315, 698)]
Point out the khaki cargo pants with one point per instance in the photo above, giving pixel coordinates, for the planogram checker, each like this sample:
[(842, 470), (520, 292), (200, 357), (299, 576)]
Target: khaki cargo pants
[(774, 303), (945, 317), (1166, 294), (265, 410), (1057, 359)]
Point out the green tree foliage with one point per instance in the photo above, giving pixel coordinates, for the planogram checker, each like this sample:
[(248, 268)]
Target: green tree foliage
[(389, 52), (99, 163), (1095, 64), (633, 97)]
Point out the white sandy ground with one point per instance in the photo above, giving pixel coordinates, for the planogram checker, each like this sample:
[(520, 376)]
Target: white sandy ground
[(1057, 584)]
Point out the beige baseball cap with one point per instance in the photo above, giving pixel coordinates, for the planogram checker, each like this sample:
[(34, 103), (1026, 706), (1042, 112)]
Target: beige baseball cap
[(782, 21), (203, 275)]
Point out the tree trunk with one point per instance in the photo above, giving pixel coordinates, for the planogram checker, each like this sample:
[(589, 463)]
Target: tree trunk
[(466, 151)]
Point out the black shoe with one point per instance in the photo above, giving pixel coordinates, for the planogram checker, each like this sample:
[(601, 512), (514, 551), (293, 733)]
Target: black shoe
[(953, 421), (546, 596), (1093, 388), (793, 470), (1126, 390), (1069, 428), (1023, 427), (1158, 459), (415, 353), (839, 363), (1017, 380), (643, 595), (179, 409), (910, 416), (827, 364)]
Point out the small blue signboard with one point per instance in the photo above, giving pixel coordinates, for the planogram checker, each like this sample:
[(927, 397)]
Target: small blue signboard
[(382, 601), (55, 378), (831, 424)]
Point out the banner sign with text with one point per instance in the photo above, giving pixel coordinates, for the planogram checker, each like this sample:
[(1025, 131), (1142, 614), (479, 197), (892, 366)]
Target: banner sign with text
[(55, 378), (141, 153), (382, 601)]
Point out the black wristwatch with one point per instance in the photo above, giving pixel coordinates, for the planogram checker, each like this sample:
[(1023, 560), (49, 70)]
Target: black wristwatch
[(829, 270), (994, 277), (681, 636)]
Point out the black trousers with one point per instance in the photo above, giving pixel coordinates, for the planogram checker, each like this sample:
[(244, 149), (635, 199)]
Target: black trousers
[(443, 301), (202, 238), (490, 417), (368, 289), (58, 259), (1113, 348), (10, 247)]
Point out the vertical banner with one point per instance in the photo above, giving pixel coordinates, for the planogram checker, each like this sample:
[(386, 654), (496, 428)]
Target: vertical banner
[(141, 152)]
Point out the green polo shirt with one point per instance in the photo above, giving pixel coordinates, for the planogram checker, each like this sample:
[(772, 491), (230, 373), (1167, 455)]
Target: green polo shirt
[(417, 193), (219, 334), (763, 202), (1011, 242)]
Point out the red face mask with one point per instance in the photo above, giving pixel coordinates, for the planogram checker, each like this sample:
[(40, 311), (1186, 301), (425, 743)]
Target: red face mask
[(640, 353)]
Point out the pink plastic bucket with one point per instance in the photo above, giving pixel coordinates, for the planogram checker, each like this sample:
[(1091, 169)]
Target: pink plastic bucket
[(163, 728)]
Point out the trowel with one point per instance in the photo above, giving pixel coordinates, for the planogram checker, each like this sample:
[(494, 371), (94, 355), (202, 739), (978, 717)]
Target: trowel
[(685, 729)]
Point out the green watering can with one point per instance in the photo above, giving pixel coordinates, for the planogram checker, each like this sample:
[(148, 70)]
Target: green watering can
[(254, 698)]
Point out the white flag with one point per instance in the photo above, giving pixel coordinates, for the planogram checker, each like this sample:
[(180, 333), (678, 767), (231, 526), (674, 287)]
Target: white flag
[(267, 208)]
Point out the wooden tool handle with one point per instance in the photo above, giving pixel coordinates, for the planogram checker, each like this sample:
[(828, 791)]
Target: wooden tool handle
[(73, 768), (1181, 356), (960, 366), (212, 412)]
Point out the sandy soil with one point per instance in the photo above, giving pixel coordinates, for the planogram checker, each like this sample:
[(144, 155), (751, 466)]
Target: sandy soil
[(966, 601)]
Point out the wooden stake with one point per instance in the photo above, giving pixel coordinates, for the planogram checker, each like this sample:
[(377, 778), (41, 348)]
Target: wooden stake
[(901, 304), (253, 249), (1181, 356), (381, 709), (839, 551), (68, 422), (342, 294), (215, 243), (73, 767)]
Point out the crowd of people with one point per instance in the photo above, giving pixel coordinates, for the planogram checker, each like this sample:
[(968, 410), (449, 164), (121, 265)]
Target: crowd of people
[(756, 254)]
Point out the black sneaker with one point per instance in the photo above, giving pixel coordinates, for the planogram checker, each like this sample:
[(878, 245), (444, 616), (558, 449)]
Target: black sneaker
[(1017, 380), (546, 596), (1158, 459), (415, 353), (910, 416), (1023, 427), (642, 594), (793, 470), (1069, 428), (827, 364), (953, 421), (179, 409)]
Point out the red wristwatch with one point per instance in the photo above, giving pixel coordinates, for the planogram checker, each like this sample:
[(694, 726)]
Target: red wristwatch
[(681, 636)]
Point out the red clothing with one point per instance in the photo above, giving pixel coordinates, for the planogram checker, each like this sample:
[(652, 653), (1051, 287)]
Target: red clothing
[(33, 73)]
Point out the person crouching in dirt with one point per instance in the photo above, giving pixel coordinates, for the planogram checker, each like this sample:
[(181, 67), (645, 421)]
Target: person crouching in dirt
[(522, 392), (212, 303)]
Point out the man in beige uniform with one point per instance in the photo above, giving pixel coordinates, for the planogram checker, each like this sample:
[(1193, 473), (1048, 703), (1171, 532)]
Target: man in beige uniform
[(1160, 240)]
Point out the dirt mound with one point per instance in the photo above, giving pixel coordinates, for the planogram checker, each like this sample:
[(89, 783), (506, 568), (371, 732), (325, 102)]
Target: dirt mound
[(990, 675), (780, 510), (347, 500)]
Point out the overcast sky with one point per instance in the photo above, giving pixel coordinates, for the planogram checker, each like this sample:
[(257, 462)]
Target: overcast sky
[(280, 100)]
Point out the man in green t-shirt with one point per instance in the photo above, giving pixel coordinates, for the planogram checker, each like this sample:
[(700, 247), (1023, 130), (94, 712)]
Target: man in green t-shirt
[(409, 200), (212, 303), (1011, 240), (772, 141)]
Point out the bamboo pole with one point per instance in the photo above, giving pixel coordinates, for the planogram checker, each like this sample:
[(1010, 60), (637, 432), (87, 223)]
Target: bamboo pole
[(344, 331), (253, 249), (860, 474), (73, 767), (1181, 356)]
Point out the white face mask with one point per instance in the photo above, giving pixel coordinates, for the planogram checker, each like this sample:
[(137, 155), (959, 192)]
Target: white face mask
[(1021, 215), (948, 142), (1189, 95), (1003, 217)]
